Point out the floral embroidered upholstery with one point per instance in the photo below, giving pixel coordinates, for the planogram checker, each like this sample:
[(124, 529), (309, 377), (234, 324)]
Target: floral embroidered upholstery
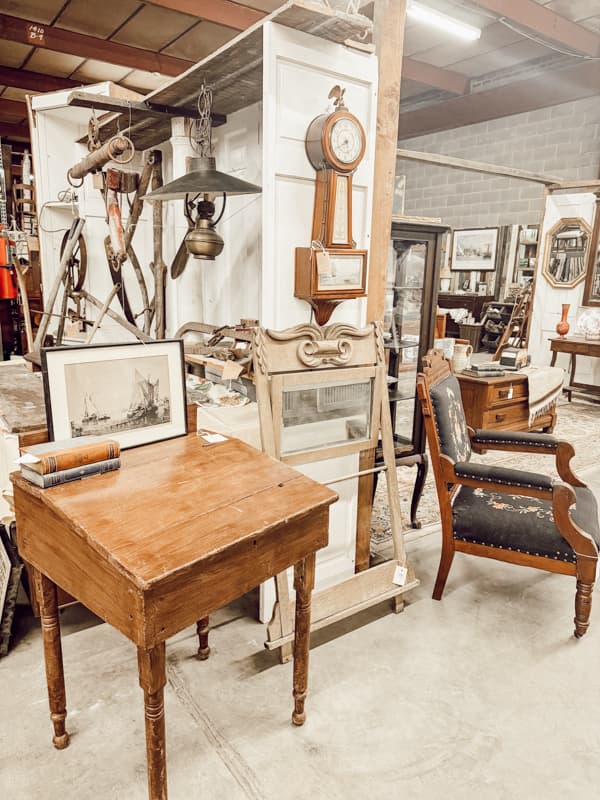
[(450, 419), (523, 524)]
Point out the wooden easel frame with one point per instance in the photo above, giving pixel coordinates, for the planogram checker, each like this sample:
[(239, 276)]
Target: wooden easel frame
[(308, 355)]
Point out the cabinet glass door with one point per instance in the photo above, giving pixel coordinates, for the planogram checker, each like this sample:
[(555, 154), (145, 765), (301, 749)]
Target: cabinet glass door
[(407, 264)]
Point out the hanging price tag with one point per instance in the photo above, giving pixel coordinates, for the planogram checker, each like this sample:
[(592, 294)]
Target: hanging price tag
[(400, 574), (323, 263)]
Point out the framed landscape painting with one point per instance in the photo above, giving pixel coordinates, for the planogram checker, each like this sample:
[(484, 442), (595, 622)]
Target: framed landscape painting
[(474, 250), (134, 393)]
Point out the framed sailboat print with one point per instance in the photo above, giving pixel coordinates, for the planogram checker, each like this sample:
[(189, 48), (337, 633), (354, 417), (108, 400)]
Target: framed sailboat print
[(132, 392)]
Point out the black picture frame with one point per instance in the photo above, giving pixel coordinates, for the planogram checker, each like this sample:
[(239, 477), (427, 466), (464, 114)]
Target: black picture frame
[(86, 390), (9, 587)]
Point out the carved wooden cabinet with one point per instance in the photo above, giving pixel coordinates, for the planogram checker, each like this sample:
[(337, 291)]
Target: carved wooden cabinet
[(409, 325)]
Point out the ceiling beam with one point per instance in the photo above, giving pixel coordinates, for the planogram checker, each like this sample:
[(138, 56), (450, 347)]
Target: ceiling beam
[(9, 131), (222, 12), (34, 81), (437, 77), (13, 108), (550, 89), (478, 166), (79, 44), (546, 23)]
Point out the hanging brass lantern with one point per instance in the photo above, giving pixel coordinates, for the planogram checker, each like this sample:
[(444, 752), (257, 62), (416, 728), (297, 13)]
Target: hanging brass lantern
[(199, 186)]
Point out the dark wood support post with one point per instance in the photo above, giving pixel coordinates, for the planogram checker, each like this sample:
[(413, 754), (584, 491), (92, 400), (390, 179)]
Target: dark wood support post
[(304, 581), (153, 677)]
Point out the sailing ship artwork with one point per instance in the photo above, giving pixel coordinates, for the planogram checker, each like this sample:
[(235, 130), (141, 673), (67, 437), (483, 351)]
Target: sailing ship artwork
[(474, 250), (118, 395)]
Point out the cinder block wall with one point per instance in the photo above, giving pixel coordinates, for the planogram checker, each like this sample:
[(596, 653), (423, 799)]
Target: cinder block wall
[(563, 140)]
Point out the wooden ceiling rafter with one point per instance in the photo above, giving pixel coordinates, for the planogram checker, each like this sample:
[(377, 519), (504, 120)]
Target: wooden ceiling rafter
[(78, 44), (549, 89), (545, 24), (221, 12), (10, 130), (435, 77), (13, 108), (34, 81)]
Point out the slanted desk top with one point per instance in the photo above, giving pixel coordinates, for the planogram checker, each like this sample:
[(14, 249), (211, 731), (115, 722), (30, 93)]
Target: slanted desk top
[(173, 511), (180, 530)]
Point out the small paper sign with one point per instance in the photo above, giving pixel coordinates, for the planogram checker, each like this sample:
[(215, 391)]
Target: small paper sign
[(213, 438), (400, 574), (323, 263), (232, 370)]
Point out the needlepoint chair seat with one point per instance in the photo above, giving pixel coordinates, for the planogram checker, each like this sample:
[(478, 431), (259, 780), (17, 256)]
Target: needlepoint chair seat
[(508, 514), (521, 524)]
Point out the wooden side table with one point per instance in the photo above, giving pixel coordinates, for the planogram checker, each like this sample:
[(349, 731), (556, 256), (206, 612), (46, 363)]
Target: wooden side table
[(576, 346), (180, 530), (501, 403)]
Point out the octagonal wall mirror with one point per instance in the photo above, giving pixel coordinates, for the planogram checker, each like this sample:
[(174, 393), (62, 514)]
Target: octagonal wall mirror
[(565, 252), (591, 292)]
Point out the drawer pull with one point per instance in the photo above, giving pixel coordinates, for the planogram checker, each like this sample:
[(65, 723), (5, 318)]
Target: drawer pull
[(500, 417)]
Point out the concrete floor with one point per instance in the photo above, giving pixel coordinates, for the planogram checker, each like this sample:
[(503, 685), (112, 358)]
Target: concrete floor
[(485, 695)]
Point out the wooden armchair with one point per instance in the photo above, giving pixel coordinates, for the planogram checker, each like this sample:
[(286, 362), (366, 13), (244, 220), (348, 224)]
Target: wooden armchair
[(503, 513)]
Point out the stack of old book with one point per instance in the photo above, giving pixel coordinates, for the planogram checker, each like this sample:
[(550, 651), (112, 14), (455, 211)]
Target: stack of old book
[(53, 463), (490, 369)]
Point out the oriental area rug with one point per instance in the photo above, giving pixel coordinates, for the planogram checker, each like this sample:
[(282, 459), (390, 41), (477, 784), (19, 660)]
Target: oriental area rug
[(577, 422)]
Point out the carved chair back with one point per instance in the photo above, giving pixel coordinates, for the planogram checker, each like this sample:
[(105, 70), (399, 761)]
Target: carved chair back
[(444, 417)]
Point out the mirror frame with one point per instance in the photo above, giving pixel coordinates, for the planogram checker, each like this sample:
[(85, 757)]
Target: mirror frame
[(593, 261)]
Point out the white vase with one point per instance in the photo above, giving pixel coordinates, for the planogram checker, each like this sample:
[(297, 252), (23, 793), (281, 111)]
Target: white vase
[(445, 284)]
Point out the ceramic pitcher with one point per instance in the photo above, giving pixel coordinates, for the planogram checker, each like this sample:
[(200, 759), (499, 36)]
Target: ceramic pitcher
[(461, 358)]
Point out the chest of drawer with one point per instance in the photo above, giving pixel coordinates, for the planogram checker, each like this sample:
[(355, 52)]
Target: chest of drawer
[(507, 415), (500, 394)]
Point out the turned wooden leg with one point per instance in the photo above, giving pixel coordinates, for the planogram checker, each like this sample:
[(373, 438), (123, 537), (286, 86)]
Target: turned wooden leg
[(583, 607), (55, 677), (443, 570), (202, 629), (153, 677), (422, 468), (304, 581)]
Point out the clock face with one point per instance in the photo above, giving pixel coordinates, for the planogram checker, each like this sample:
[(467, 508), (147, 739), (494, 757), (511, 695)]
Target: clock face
[(346, 140)]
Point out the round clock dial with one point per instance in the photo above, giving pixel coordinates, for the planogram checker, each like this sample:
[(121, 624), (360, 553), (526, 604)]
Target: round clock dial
[(346, 140)]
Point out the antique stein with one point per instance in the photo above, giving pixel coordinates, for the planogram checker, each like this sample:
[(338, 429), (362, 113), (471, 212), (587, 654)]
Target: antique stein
[(461, 358)]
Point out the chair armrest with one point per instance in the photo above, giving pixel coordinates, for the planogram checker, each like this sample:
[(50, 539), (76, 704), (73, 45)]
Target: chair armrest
[(515, 440), (502, 476)]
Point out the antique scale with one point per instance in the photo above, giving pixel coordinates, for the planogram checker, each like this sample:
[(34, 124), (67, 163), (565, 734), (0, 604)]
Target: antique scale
[(332, 269)]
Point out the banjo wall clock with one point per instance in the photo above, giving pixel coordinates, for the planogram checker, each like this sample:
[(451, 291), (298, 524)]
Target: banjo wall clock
[(332, 269)]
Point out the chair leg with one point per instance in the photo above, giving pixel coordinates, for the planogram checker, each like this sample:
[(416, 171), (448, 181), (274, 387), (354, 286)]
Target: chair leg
[(202, 631), (583, 607), (443, 570)]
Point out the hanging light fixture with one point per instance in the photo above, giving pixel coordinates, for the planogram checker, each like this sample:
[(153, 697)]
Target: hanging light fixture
[(199, 186)]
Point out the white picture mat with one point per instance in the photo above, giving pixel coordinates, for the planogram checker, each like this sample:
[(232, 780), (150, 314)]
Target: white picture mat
[(476, 239), (345, 272), (57, 360)]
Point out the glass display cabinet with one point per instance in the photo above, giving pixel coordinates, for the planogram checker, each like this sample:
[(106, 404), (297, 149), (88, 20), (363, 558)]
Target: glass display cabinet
[(409, 323)]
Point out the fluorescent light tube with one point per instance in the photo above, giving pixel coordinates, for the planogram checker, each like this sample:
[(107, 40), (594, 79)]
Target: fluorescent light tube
[(429, 16)]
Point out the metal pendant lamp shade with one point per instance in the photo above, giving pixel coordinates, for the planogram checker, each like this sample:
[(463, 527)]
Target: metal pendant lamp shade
[(198, 187), (203, 178)]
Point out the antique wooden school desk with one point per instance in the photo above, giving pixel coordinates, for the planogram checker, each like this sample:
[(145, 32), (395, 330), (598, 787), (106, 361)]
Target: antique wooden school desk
[(179, 531)]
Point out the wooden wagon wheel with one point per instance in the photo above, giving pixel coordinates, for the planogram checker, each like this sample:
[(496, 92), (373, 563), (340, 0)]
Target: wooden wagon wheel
[(75, 273)]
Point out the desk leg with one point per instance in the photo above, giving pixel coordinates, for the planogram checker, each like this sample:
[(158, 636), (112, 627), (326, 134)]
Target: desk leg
[(572, 378), (304, 581), (153, 677), (55, 676), (202, 631)]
